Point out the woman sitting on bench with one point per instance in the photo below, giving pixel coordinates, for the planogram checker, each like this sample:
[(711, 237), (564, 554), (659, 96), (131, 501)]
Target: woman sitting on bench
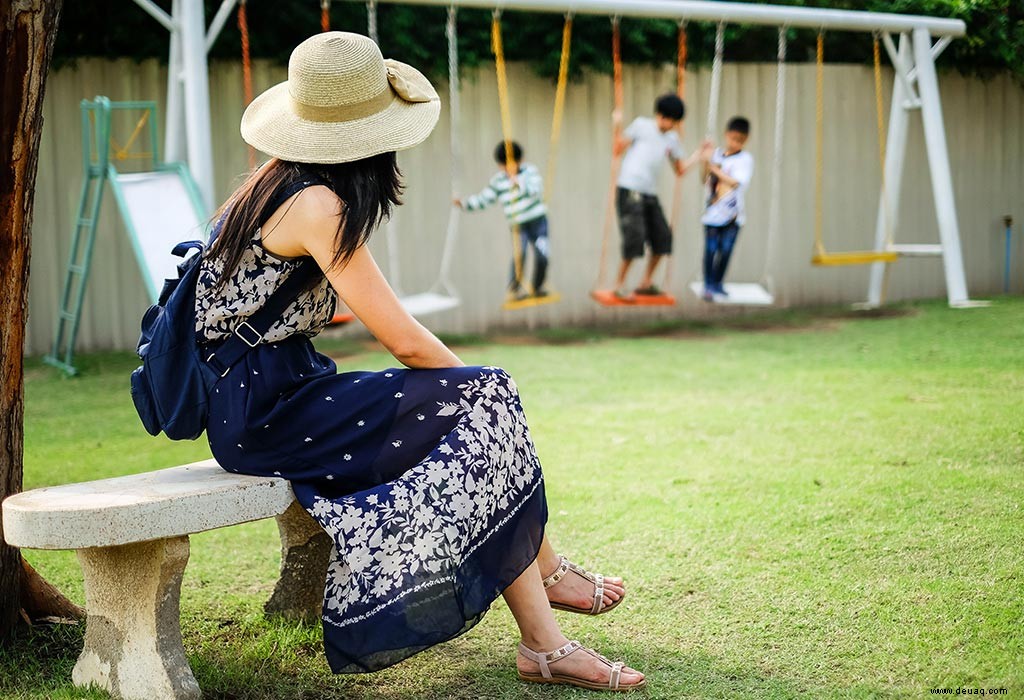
[(425, 478)]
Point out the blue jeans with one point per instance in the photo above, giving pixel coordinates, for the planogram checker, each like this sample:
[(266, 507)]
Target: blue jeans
[(718, 244), (532, 233)]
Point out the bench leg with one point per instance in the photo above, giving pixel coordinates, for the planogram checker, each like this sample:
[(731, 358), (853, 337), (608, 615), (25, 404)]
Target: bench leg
[(305, 551), (133, 631)]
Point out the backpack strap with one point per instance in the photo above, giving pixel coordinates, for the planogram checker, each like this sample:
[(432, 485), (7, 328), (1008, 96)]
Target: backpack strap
[(249, 333)]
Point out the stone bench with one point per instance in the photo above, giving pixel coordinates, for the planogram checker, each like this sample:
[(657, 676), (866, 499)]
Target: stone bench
[(131, 536)]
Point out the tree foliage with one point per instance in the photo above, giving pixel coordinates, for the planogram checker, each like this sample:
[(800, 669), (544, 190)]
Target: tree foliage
[(415, 34)]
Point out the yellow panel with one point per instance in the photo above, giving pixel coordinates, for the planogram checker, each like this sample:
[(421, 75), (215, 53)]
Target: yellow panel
[(855, 257)]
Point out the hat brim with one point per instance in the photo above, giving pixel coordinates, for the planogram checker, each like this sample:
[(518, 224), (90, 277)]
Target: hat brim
[(270, 125)]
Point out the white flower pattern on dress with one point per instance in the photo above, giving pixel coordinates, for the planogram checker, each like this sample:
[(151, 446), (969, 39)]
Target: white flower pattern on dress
[(426, 523), (258, 275)]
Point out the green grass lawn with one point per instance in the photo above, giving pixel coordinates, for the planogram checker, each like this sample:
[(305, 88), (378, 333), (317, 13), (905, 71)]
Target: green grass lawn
[(803, 505)]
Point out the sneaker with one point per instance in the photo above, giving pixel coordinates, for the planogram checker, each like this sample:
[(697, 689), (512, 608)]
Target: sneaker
[(623, 295), (720, 290), (708, 294), (649, 291), (541, 293)]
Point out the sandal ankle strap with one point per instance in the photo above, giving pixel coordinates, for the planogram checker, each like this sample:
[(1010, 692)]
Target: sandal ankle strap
[(544, 658), (563, 567)]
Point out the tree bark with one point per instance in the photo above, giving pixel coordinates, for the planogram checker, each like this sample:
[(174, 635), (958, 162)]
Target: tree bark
[(27, 32), (41, 600)]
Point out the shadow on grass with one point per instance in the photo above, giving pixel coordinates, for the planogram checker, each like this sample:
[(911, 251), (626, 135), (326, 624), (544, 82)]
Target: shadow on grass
[(265, 660)]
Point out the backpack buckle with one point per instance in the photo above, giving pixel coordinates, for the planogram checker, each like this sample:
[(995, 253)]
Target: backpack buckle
[(251, 332)]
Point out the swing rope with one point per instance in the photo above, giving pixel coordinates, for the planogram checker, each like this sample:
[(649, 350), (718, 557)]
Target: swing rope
[(325, 15), (616, 159), (774, 207), (371, 21), (880, 125), (243, 29), (451, 31), (560, 90), (677, 187), (716, 82), (506, 129), (391, 225), (819, 145), (821, 255)]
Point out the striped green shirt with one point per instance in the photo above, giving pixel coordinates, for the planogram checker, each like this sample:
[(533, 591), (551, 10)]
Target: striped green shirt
[(521, 205)]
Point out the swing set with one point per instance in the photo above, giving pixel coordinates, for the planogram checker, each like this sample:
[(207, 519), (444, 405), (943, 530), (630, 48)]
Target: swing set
[(497, 47), (915, 88)]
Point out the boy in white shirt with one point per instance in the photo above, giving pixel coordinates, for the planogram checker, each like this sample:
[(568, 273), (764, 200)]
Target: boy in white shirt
[(647, 144), (727, 172)]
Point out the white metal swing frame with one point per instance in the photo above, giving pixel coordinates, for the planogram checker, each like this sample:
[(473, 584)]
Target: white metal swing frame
[(916, 88)]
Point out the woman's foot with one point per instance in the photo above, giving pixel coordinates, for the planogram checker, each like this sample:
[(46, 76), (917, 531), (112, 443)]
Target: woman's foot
[(574, 589), (573, 664)]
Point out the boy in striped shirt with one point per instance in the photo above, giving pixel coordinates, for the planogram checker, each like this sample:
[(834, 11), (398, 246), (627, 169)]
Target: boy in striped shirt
[(522, 197)]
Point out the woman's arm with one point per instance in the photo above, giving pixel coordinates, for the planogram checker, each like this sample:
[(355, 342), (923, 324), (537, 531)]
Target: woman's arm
[(309, 229)]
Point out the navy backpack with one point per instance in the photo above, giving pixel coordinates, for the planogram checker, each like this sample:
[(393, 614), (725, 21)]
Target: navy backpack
[(172, 387)]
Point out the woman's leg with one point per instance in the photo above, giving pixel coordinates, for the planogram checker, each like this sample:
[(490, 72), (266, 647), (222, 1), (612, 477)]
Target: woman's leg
[(540, 632)]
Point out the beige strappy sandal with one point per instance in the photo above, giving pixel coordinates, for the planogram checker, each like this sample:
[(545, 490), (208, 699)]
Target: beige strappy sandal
[(547, 677), (598, 608)]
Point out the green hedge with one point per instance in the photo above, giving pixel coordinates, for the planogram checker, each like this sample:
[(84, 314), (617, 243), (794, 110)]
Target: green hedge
[(118, 28)]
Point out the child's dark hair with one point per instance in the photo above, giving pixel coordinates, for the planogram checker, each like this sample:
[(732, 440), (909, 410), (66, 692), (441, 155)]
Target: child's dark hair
[(741, 125), (500, 153), (670, 107)]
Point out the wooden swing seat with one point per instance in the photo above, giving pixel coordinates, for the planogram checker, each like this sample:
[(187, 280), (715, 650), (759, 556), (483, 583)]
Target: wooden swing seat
[(606, 297), (854, 257)]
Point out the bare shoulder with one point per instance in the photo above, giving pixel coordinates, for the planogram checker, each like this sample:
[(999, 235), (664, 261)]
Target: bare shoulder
[(311, 215), (317, 203)]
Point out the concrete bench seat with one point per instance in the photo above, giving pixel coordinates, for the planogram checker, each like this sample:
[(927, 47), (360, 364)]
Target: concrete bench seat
[(131, 534)]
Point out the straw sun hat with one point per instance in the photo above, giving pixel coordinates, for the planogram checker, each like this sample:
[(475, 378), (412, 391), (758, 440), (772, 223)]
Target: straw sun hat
[(342, 102)]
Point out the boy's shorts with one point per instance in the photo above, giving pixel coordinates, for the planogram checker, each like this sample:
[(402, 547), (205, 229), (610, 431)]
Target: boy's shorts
[(642, 221)]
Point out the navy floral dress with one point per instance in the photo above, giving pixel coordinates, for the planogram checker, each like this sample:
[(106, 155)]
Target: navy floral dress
[(427, 481)]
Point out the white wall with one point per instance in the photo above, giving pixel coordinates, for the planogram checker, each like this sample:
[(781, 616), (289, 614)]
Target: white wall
[(984, 124)]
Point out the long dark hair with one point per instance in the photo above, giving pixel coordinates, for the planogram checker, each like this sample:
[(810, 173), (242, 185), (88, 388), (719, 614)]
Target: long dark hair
[(367, 190)]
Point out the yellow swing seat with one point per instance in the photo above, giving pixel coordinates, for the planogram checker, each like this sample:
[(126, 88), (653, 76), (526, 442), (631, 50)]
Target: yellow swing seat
[(511, 304), (822, 257), (853, 257)]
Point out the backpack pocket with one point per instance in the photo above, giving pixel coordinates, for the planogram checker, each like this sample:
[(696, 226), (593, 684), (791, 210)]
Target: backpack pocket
[(142, 397)]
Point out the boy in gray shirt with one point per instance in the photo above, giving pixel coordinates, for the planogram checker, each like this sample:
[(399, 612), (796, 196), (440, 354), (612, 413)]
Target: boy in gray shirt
[(647, 143)]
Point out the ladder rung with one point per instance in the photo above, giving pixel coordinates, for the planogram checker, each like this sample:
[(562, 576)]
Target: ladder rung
[(67, 315), (78, 269), (917, 249), (85, 222)]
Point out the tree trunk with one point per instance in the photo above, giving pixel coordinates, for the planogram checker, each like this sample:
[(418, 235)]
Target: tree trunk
[(27, 32), (41, 600)]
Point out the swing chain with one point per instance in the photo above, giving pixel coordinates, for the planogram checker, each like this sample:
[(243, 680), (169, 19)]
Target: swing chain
[(371, 21), (451, 32)]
